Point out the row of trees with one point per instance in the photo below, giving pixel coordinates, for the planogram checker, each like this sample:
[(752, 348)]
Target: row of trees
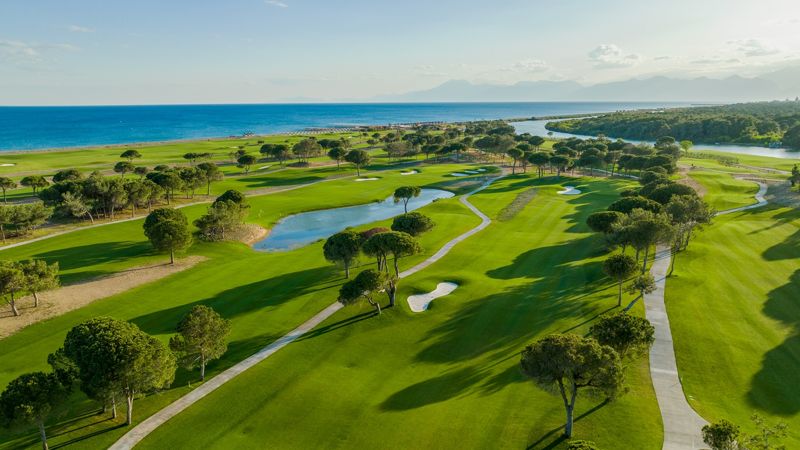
[(382, 244), (30, 277), (592, 154), (111, 360)]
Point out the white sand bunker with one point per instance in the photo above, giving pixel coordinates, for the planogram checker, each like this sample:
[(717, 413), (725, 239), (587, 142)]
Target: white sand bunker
[(419, 303), (7, 165), (410, 172), (264, 167), (366, 179), (459, 174), (473, 172), (481, 170), (569, 190)]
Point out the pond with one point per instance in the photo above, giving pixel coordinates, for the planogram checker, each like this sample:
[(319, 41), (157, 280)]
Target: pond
[(536, 128), (302, 229)]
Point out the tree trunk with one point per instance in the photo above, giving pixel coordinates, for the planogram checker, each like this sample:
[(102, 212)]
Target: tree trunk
[(43, 435), (202, 367), (644, 260), (129, 419), (91, 218), (377, 305), (358, 171), (347, 269), (3, 232), (405, 205), (619, 299), (113, 406), (672, 255), (396, 269), (172, 256), (14, 306), (35, 299), (392, 291), (4, 196)]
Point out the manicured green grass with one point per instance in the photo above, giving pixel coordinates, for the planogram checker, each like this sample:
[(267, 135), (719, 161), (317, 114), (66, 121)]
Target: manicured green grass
[(447, 377), (264, 294), (760, 161), (723, 191), (734, 312)]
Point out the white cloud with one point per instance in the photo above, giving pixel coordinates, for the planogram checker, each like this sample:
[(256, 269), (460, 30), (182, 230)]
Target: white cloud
[(609, 56), (79, 29), (530, 66), (277, 3), (754, 47), (19, 52)]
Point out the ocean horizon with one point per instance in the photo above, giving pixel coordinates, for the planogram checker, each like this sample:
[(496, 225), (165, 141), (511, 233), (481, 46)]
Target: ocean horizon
[(51, 127)]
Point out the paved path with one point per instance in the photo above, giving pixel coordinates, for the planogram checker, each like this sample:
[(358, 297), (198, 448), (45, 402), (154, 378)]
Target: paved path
[(682, 425), (485, 221), (762, 190), (140, 431)]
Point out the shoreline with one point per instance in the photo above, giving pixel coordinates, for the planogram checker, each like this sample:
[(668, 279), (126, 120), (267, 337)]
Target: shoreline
[(300, 131)]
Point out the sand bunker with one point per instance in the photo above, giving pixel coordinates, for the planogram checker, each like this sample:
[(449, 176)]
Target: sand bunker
[(481, 170), (7, 165), (412, 172), (459, 174), (366, 179), (419, 303), (264, 167), (473, 172), (67, 298), (569, 190)]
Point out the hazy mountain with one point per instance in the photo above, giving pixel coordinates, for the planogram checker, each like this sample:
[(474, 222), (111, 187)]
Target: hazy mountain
[(776, 85), (464, 91)]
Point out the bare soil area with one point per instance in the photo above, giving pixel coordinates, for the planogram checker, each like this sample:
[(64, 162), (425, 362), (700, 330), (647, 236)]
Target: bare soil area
[(67, 298)]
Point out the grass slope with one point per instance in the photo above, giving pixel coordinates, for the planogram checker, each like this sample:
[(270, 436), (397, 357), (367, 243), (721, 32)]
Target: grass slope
[(448, 377), (264, 294), (734, 314), (723, 191)]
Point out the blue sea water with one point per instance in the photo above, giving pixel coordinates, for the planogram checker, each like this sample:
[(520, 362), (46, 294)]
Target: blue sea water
[(26, 128)]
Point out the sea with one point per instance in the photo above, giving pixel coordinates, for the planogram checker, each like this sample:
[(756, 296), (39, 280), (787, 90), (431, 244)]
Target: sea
[(47, 127)]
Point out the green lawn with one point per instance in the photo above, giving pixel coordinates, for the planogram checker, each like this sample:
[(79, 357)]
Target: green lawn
[(723, 191), (734, 311), (447, 377), (758, 161), (265, 294)]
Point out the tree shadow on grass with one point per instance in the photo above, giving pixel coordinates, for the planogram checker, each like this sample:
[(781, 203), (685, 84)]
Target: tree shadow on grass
[(319, 331), (80, 256), (503, 322), (434, 390), (788, 249), (774, 387), (240, 300), (555, 437), (544, 261)]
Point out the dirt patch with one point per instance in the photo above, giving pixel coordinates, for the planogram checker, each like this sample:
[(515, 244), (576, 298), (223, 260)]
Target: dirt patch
[(67, 298), (249, 233), (520, 201), (783, 194), (691, 182)]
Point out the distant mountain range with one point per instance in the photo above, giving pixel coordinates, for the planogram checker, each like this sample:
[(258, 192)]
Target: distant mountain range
[(782, 84)]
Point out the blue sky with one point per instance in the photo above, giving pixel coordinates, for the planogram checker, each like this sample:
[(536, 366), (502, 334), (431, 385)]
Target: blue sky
[(203, 51)]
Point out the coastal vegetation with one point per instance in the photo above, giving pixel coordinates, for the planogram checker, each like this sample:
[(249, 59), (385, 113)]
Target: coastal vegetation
[(746, 123)]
